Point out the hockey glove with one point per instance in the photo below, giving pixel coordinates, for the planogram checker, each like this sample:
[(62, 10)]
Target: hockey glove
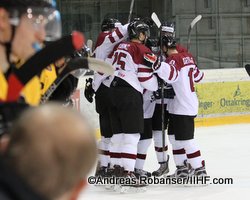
[(89, 91), (151, 60), (168, 92), (152, 44)]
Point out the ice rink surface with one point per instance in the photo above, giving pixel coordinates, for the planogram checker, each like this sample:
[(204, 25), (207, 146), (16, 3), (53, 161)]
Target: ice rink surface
[(226, 150)]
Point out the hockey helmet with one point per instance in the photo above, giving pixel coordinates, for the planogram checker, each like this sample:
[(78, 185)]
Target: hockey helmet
[(40, 12), (109, 23), (168, 41), (136, 27), (168, 29)]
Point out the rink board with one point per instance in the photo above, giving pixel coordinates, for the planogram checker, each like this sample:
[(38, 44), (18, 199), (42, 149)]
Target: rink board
[(223, 103), (224, 98)]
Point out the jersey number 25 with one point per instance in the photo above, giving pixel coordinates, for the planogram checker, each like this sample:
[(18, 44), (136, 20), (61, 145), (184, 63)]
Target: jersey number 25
[(119, 60)]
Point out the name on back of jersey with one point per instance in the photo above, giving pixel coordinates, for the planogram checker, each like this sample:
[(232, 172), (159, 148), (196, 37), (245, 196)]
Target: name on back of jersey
[(188, 60), (123, 46)]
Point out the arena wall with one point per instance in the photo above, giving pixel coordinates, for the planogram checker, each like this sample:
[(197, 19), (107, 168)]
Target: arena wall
[(224, 98)]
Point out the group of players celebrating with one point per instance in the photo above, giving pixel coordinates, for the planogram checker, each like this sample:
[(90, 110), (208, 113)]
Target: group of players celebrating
[(130, 102)]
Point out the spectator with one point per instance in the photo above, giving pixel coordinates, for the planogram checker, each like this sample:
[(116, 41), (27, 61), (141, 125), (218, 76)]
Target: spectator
[(49, 155)]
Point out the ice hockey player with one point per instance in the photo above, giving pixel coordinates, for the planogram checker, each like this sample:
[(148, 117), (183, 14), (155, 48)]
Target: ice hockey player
[(148, 110), (167, 29), (132, 76), (162, 152), (183, 108), (21, 35), (112, 33)]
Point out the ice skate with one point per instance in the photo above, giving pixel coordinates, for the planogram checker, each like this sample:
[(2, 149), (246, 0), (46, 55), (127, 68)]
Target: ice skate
[(163, 169), (181, 172), (102, 172), (132, 184), (198, 177), (141, 172), (116, 171)]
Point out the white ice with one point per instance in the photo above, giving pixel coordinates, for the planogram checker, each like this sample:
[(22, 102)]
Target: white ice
[(226, 150)]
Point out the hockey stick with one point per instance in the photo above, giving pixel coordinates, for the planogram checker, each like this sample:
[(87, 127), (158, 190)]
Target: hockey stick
[(58, 49), (76, 64), (131, 10), (100, 66), (247, 68), (191, 26), (156, 20)]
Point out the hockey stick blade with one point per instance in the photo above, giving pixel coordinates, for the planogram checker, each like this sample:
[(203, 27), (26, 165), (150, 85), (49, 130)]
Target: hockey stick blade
[(156, 20), (247, 68), (191, 26), (54, 51), (195, 20), (100, 66), (131, 10), (76, 64), (73, 65)]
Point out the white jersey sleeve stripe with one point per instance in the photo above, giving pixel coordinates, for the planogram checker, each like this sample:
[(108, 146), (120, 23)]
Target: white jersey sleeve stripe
[(171, 72), (199, 78), (196, 72), (111, 39), (167, 72), (143, 79), (148, 70), (119, 34)]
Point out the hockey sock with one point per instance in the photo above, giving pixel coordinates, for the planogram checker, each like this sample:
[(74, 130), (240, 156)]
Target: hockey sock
[(129, 150), (104, 157), (157, 135), (193, 154), (179, 153), (115, 149), (142, 149)]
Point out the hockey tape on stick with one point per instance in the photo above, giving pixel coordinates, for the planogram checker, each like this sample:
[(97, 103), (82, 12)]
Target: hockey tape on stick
[(156, 20), (131, 10), (54, 51), (90, 46), (247, 67), (195, 20), (76, 64), (191, 26)]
